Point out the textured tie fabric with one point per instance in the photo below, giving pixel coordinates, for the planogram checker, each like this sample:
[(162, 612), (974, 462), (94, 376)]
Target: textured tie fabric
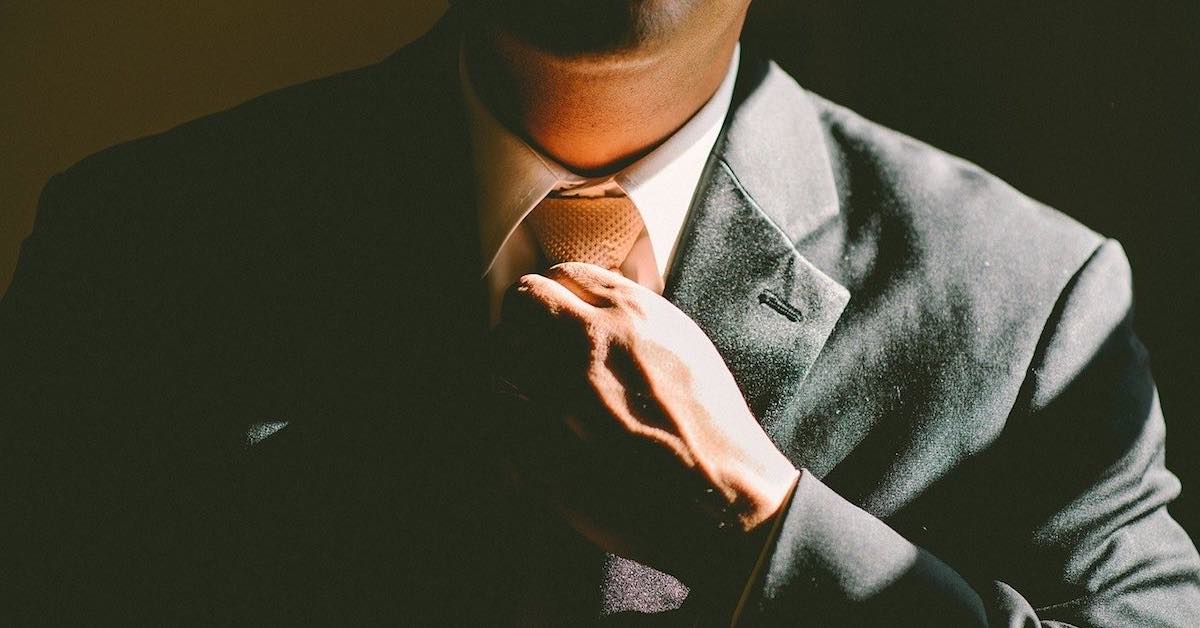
[(598, 231)]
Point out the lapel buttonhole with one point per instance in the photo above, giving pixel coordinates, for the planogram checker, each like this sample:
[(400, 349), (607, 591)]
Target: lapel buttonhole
[(772, 300)]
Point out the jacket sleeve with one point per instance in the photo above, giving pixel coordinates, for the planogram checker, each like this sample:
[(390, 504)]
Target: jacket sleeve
[(1083, 449), (93, 464)]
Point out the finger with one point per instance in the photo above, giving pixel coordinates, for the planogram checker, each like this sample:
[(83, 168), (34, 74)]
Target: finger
[(542, 448), (534, 294), (539, 339), (589, 282), (512, 375)]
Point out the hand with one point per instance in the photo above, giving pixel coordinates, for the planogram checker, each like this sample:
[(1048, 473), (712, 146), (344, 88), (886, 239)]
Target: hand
[(636, 432)]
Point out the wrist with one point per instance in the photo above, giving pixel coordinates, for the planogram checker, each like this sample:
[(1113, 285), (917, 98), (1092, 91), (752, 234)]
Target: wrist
[(762, 502), (732, 579)]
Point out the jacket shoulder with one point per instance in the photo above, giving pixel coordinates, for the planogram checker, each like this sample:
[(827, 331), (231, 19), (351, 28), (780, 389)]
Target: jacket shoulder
[(948, 224), (288, 138)]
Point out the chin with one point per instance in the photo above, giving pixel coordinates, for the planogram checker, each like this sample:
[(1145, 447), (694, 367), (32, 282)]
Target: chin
[(588, 27)]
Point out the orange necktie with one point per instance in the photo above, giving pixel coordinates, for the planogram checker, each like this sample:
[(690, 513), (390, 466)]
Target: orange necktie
[(598, 231)]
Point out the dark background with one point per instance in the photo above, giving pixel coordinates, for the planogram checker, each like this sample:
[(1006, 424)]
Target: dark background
[(1091, 107)]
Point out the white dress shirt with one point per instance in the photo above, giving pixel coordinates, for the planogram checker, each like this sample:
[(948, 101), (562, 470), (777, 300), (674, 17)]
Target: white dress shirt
[(512, 177)]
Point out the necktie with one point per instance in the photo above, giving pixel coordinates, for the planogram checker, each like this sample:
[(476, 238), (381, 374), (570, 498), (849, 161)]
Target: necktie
[(598, 231), (601, 231)]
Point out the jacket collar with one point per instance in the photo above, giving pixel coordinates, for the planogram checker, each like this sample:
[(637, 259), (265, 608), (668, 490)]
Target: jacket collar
[(737, 270), (775, 146)]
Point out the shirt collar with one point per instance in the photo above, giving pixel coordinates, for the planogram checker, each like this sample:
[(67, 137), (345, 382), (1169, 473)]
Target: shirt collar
[(512, 177)]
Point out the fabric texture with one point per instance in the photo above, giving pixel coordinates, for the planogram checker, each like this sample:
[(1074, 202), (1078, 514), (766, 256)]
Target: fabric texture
[(951, 363), (598, 231)]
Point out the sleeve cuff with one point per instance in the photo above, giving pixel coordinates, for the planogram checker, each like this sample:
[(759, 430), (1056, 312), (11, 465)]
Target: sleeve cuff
[(763, 556), (836, 564)]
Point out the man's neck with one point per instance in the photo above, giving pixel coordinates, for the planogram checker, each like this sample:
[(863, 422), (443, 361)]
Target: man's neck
[(596, 114)]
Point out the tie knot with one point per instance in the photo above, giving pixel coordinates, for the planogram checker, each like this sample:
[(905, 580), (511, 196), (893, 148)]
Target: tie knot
[(598, 230)]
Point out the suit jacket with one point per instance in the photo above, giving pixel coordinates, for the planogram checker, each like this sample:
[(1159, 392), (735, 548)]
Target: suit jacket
[(241, 371)]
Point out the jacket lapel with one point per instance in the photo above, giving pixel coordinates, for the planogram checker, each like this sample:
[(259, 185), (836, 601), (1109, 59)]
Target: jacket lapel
[(738, 274), (736, 270)]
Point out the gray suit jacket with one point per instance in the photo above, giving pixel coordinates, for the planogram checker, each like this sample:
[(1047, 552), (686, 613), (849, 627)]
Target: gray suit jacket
[(241, 378)]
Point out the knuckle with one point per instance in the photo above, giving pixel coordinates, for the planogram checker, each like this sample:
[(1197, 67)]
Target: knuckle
[(634, 306), (626, 308), (526, 283), (557, 271), (567, 269), (596, 337)]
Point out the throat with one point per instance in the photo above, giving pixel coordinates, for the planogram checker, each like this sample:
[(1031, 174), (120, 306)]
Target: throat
[(593, 115)]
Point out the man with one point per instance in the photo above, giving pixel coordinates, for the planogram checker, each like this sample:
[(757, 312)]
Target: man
[(737, 357)]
